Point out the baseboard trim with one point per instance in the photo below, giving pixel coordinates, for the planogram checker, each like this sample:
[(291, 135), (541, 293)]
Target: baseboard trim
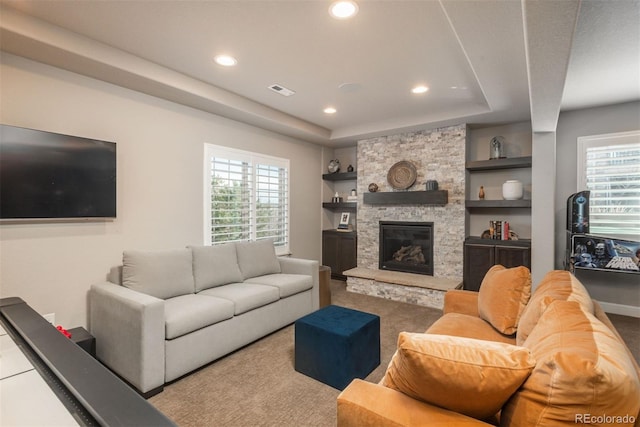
[(624, 310)]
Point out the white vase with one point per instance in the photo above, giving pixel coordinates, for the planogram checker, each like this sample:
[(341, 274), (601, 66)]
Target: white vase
[(512, 190)]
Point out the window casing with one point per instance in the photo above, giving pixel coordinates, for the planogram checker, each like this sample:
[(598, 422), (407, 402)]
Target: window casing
[(246, 197), (609, 166)]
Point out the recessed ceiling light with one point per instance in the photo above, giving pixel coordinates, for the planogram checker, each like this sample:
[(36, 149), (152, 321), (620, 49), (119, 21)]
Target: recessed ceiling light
[(343, 9), (330, 110), (419, 89), (225, 60)]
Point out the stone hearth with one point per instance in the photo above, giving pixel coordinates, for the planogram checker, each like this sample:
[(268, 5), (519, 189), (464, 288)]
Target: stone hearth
[(412, 288)]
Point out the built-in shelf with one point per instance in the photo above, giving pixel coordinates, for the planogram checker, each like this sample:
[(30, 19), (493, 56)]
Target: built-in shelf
[(344, 206), (522, 203), (437, 197), (507, 163), (345, 176), (479, 241)]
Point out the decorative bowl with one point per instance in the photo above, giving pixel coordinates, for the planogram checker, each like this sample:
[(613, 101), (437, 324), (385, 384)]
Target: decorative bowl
[(402, 175)]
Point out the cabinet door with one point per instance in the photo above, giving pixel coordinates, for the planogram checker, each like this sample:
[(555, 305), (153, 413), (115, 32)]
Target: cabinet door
[(347, 257), (338, 252), (330, 252), (513, 256), (478, 259)]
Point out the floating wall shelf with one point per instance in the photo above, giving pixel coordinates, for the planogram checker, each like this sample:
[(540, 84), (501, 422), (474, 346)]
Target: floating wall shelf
[(344, 206), (346, 176), (507, 163), (522, 203)]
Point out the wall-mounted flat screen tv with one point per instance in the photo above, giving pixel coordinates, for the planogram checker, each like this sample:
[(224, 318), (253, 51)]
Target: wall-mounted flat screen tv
[(46, 175)]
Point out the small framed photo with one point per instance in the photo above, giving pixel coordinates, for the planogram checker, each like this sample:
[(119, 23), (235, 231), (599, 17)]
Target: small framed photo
[(344, 221)]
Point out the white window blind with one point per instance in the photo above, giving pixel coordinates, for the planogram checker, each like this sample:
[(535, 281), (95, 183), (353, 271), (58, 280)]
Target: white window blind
[(246, 197), (609, 166)]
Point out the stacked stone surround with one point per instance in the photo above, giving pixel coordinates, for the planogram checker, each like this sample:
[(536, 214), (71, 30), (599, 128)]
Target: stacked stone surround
[(433, 298), (437, 154)]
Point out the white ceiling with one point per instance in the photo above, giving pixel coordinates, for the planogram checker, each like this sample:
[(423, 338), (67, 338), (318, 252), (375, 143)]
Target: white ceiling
[(485, 62)]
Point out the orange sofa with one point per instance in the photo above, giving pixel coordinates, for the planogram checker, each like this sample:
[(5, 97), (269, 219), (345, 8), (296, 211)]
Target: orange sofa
[(502, 356)]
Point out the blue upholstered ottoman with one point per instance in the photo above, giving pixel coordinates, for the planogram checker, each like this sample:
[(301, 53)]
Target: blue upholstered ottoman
[(334, 345)]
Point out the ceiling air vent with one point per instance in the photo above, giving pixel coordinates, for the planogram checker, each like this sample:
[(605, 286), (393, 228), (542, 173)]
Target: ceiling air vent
[(281, 90)]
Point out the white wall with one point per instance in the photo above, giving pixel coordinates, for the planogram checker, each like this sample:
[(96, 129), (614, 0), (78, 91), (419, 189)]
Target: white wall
[(543, 176), (160, 182), (620, 290)]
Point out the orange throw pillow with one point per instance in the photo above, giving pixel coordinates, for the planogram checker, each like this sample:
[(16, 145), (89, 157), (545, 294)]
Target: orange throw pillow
[(465, 375), (555, 285), (503, 295)]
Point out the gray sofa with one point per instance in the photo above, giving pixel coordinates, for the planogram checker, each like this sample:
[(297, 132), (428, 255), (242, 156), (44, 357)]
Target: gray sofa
[(163, 314)]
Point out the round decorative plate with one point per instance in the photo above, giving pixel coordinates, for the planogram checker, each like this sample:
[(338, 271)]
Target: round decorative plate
[(402, 175)]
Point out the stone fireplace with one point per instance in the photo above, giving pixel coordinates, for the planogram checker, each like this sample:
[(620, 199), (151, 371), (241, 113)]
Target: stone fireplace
[(406, 246), (437, 154)]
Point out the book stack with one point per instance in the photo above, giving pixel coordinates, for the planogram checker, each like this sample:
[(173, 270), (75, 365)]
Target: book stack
[(499, 230)]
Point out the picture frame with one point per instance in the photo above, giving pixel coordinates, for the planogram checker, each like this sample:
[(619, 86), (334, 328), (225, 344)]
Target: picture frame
[(344, 221)]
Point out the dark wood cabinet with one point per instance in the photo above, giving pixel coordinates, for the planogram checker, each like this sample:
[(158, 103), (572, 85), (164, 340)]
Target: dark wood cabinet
[(339, 251), (481, 254)]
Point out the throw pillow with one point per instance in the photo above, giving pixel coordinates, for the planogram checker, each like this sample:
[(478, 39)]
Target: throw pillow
[(465, 375), (503, 295), (215, 265), (555, 285), (582, 370), (257, 258), (162, 274)]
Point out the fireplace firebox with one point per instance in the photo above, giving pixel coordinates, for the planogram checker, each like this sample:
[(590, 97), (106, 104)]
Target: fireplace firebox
[(406, 246)]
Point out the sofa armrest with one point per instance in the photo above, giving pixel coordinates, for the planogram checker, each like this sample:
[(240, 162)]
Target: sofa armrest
[(364, 404), (304, 266), (129, 331), (461, 301)]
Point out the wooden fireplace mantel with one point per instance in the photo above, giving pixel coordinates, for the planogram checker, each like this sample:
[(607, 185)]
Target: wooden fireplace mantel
[(434, 197)]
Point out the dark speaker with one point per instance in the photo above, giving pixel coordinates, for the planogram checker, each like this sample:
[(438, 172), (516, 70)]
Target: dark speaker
[(578, 212)]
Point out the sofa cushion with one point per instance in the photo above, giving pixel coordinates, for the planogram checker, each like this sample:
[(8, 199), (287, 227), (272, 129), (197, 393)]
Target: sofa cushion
[(582, 370), (287, 284), (367, 404), (245, 296), (188, 313), (555, 285), (503, 295), (473, 377), (162, 274), (215, 265), (467, 326), (257, 258)]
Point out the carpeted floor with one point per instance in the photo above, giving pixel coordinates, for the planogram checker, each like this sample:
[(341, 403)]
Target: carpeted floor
[(258, 386)]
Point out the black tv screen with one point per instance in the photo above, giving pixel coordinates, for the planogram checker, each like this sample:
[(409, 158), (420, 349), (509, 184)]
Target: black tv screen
[(46, 175)]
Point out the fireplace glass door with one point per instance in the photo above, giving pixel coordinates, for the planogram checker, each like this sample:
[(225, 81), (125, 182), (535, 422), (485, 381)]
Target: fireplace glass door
[(406, 246)]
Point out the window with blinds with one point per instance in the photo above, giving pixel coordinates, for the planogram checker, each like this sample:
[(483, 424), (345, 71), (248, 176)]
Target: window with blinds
[(246, 197), (609, 166)]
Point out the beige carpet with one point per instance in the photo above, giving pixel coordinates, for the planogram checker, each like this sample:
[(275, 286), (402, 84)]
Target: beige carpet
[(258, 386)]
